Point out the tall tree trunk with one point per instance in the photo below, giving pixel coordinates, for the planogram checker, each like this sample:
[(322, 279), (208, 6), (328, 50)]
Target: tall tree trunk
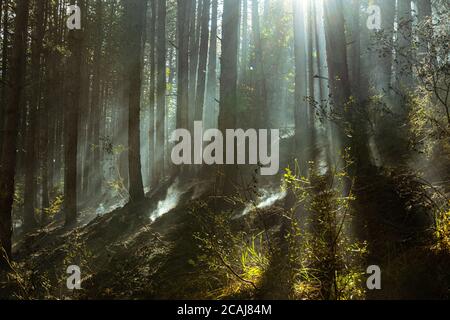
[(161, 89), (337, 54), (183, 64), (96, 175), (193, 57), (300, 79), (341, 93), (266, 8), (203, 56), (228, 83), (424, 13), (83, 162), (355, 49), (260, 78), (387, 26), (320, 57), (245, 40), (135, 17), (211, 86), (352, 133), (152, 92), (311, 85), (8, 152), (424, 9), (71, 116), (46, 130), (31, 145), (404, 39), (5, 37)]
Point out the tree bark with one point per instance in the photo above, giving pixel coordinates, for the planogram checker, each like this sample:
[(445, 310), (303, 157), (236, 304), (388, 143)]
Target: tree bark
[(404, 39), (245, 40), (260, 78), (161, 89), (152, 92), (34, 104), (387, 26), (211, 86), (71, 116), (135, 17), (203, 56), (95, 159), (8, 152), (300, 112), (193, 57), (183, 64), (228, 83), (5, 38), (424, 13)]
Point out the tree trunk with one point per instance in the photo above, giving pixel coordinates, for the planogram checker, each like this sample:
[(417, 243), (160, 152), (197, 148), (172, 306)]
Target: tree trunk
[(211, 86), (8, 152), (193, 57), (183, 64), (355, 49), (152, 91), (34, 104), (203, 56), (300, 112), (337, 54), (84, 169), (260, 78), (228, 83), (5, 38), (72, 105), (135, 17), (95, 159), (424, 9), (387, 26), (424, 13), (266, 8), (311, 90), (404, 39), (245, 40), (352, 133), (161, 89)]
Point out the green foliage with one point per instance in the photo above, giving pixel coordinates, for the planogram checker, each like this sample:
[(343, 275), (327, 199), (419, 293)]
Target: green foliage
[(442, 232), (55, 206), (32, 280), (238, 258), (75, 253), (329, 258), (18, 196), (24, 283), (429, 128)]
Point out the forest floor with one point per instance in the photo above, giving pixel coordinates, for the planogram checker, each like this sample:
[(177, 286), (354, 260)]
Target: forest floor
[(127, 254)]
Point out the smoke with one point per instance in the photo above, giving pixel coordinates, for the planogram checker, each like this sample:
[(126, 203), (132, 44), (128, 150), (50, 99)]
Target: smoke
[(267, 199), (169, 203)]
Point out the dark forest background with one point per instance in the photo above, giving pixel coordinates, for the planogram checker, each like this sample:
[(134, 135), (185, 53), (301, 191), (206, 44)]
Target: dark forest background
[(86, 176)]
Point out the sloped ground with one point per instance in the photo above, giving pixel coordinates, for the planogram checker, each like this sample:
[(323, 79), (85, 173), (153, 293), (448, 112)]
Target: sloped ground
[(126, 254), (395, 219)]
